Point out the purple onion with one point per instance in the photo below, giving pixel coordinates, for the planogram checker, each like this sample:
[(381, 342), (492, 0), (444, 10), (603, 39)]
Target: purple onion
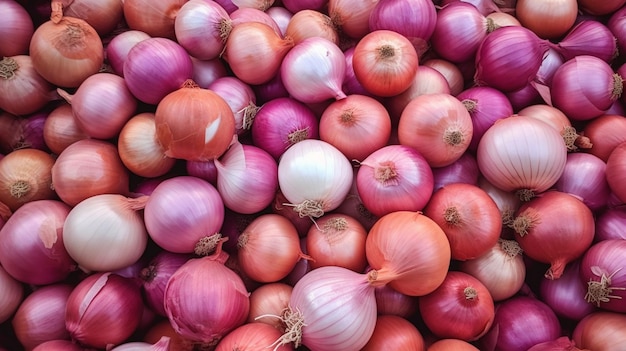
[(459, 30), (118, 48), (566, 295), (203, 169), (351, 85), (271, 90), (463, 170), (584, 177), (155, 276), (520, 323), (610, 224), (617, 26), (589, 37)]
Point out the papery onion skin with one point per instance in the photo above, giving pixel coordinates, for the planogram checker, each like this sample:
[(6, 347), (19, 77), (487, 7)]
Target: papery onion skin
[(181, 211), (23, 90), (241, 99), (468, 216), (309, 23), (394, 178), (438, 126), (41, 316), (545, 235), (589, 37), (351, 16), (392, 248), (600, 331), (152, 55), (194, 124), (25, 176), (66, 53), (86, 168), (32, 243), (522, 153), (17, 29), (600, 269), (461, 308), (449, 71), (103, 299), (600, 8), (394, 333)]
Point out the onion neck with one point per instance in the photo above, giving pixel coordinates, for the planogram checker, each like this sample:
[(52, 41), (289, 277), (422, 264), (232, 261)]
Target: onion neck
[(524, 222), (8, 67), (601, 291), (525, 195), (208, 244), (556, 269), (309, 208), (148, 274), (293, 321), (225, 26), (470, 105), (510, 247), (386, 52), (570, 136), (249, 114), (618, 87), (380, 277), (298, 135), (452, 216), (333, 228), (491, 25), (470, 294), (20, 188), (453, 137), (386, 173), (347, 117)]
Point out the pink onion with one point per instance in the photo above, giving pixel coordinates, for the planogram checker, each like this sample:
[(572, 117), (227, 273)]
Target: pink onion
[(32, 243), (12, 294), (313, 71), (297, 5), (241, 99), (202, 169), (602, 270), (394, 178), (118, 48), (610, 224), (584, 87), (509, 58), (520, 323), (201, 27), (592, 188), (351, 85), (22, 89), (247, 178), (181, 211), (616, 26), (589, 37), (273, 89), (103, 299), (463, 170), (204, 300), (281, 16), (206, 72), (566, 295), (58, 345), (551, 62), (16, 30), (486, 105), (155, 275), (161, 55), (249, 14)]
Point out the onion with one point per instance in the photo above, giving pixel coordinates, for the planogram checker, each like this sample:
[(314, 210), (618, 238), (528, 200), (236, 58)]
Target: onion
[(501, 270), (205, 300), (601, 269), (117, 49), (310, 23), (520, 323), (449, 71), (357, 125), (438, 126), (314, 177), (485, 105), (66, 50), (103, 299), (566, 295), (25, 176), (408, 252), (241, 99), (297, 5), (201, 27), (451, 344), (337, 240), (282, 122), (156, 55), (464, 170), (163, 328), (351, 16), (269, 299), (609, 224), (594, 190), (250, 40), (268, 248), (86, 168), (351, 85), (394, 333), (461, 308), (545, 237), (605, 134), (394, 178), (459, 30), (604, 8), (251, 336), (330, 308), (615, 166), (589, 37), (600, 331), (551, 62), (16, 30), (105, 232), (12, 295), (32, 243), (103, 16), (281, 16), (182, 213), (469, 218), (391, 302), (155, 19), (23, 132), (548, 19), (509, 58), (58, 345), (206, 72), (22, 89), (162, 345), (557, 119), (589, 100), (194, 124), (261, 5), (155, 275), (41, 316), (60, 129), (522, 154), (615, 25)]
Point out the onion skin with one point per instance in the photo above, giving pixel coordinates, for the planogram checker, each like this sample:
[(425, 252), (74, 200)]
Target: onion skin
[(17, 28), (601, 331), (394, 333)]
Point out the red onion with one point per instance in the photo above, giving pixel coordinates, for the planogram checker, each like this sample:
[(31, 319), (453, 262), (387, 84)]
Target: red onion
[(201, 27), (551, 62), (297, 5), (58, 345), (101, 105), (23, 132), (156, 55), (273, 89), (202, 169), (241, 99), (589, 37), (584, 101), (605, 134), (351, 85), (602, 269), (391, 302), (156, 274), (415, 19), (616, 26), (485, 105), (16, 30), (32, 243), (60, 129), (593, 188), (566, 295), (251, 336), (182, 212), (394, 178), (281, 16), (205, 300), (313, 71), (12, 294), (615, 166), (485, 7), (351, 16), (103, 299), (509, 58), (162, 345), (459, 30), (524, 97), (610, 224), (227, 5), (600, 331), (247, 178), (520, 323), (41, 316), (22, 89), (206, 72), (118, 48)]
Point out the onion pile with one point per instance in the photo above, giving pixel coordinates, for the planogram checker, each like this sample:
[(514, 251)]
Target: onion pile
[(323, 175)]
